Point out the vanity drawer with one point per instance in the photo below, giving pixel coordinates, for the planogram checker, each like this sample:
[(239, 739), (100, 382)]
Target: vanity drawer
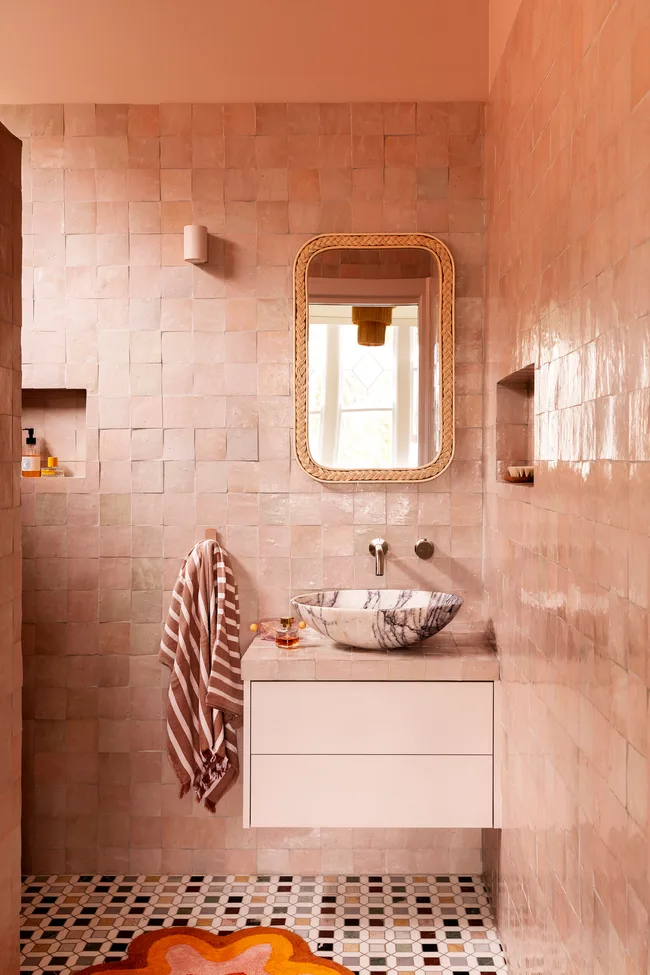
[(371, 717), (422, 791)]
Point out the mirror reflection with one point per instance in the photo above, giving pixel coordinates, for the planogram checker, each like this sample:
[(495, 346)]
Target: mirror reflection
[(373, 358)]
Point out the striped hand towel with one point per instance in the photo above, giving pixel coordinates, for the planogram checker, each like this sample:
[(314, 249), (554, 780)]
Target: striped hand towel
[(200, 645)]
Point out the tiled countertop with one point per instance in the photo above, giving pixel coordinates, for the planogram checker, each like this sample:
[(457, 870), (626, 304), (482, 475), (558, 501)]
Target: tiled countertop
[(447, 656)]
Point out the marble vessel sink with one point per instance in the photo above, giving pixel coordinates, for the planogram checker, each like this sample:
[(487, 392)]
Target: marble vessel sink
[(377, 619)]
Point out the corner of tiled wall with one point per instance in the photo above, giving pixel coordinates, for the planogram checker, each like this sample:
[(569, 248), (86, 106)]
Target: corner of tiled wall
[(10, 556)]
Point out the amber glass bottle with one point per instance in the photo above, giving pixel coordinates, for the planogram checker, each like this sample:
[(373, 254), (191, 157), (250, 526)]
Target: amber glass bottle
[(286, 635)]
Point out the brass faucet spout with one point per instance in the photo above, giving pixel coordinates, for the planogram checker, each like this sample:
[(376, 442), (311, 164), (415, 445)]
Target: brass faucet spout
[(379, 548)]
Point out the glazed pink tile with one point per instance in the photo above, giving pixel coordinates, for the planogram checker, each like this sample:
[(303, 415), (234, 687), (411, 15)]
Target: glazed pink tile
[(240, 378)]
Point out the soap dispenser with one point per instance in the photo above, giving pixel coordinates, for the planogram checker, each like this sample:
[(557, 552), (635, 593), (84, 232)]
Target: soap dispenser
[(31, 460)]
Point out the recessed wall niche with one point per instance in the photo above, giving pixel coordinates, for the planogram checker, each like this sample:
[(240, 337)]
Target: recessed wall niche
[(515, 427), (58, 417)]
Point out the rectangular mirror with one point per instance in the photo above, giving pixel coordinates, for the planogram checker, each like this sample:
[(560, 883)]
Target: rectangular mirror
[(374, 357)]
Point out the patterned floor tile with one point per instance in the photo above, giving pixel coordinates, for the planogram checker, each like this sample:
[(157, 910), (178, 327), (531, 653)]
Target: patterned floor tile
[(370, 924)]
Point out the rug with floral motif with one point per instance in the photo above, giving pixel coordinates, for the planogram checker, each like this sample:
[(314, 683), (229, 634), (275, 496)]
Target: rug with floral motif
[(192, 951)]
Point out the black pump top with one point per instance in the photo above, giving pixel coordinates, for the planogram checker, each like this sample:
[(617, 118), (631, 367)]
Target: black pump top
[(30, 439)]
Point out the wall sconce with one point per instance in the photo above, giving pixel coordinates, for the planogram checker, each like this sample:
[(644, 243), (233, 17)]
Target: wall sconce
[(195, 243)]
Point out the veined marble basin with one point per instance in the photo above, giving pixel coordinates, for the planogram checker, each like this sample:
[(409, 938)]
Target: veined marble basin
[(377, 619)]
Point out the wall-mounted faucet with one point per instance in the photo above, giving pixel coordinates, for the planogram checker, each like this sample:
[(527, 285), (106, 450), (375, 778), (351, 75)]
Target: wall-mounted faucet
[(378, 547)]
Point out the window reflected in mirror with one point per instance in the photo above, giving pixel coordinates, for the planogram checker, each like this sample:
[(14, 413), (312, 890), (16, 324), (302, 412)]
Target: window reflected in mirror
[(373, 378)]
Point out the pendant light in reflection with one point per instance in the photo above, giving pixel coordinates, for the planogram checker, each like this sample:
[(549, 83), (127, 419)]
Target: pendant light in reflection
[(371, 324)]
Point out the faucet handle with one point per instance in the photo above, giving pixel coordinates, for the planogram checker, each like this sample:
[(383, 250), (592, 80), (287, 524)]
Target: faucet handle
[(424, 548)]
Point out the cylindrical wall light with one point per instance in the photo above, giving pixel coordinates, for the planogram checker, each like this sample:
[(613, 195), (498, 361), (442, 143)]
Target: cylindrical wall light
[(195, 243)]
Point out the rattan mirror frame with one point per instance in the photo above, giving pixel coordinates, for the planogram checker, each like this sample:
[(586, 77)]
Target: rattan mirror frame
[(445, 264)]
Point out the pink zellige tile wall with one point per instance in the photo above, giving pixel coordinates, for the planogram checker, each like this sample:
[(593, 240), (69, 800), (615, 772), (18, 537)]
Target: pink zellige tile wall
[(188, 373), (568, 560), (10, 653)]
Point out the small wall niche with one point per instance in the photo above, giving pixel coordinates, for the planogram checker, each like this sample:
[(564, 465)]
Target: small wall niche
[(515, 430), (59, 420)]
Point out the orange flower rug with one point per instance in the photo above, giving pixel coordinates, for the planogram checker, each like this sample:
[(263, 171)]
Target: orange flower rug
[(192, 951)]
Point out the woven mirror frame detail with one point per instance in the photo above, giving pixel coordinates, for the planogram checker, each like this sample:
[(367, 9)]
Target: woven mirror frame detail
[(445, 264)]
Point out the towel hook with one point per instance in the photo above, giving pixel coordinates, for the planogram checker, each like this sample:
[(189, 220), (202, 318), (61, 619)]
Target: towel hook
[(211, 534)]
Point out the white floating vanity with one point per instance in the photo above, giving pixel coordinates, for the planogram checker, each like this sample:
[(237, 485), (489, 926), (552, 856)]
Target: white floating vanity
[(340, 737)]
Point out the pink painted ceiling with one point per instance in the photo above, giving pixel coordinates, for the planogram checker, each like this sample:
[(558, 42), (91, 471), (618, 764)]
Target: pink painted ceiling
[(243, 50)]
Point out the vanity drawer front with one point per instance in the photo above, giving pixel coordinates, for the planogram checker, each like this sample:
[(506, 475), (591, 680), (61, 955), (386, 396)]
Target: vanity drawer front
[(371, 717), (450, 791)]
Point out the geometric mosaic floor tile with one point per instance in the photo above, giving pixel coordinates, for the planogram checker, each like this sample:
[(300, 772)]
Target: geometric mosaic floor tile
[(371, 924)]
